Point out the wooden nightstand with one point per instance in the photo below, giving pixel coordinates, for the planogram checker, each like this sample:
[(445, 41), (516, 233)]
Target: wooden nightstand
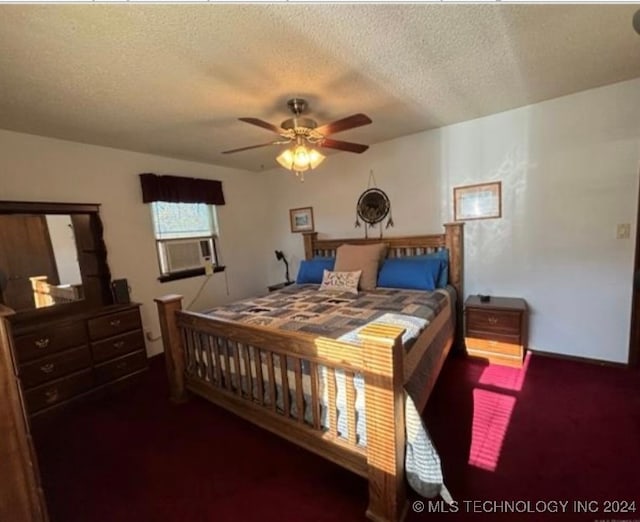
[(496, 330), (279, 286)]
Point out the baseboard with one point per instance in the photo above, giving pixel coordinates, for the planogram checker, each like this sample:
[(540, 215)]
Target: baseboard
[(576, 358)]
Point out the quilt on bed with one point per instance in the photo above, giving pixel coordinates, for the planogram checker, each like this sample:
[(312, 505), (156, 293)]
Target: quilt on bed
[(305, 309), (340, 316)]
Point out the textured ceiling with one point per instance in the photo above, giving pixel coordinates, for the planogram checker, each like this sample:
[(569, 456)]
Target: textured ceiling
[(173, 79)]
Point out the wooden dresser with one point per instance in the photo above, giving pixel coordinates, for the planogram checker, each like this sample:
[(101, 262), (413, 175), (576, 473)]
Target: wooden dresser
[(62, 340), (62, 361), (496, 330)]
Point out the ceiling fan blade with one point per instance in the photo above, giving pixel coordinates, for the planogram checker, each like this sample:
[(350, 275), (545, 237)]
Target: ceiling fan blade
[(350, 122), (262, 123), (250, 147), (343, 145)]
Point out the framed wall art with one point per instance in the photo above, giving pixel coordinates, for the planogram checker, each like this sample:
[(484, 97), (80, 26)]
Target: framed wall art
[(481, 201), (301, 219)]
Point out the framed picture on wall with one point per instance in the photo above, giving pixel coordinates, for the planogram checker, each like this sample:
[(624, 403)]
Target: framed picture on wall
[(481, 201), (301, 219)]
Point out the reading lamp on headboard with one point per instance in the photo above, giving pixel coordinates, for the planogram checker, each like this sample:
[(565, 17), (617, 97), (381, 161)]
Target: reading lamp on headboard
[(280, 257)]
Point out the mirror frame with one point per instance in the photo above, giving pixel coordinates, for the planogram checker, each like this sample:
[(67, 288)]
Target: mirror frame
[(92, 254)]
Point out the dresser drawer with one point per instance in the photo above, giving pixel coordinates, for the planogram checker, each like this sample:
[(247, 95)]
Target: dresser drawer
[(57, 391), (498, 321), (114, 324), (55, 366), (121, 366), (49, 339), (118, 345)]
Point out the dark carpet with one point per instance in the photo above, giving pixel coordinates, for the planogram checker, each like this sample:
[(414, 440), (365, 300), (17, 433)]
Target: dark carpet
[(542, 443)]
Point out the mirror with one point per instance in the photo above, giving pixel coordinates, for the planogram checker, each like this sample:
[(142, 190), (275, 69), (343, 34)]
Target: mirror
[(38, 261), (52, 254)]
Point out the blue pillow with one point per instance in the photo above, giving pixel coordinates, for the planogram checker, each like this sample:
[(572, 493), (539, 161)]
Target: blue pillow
[(443, 278), (311, 270), (413, 273)]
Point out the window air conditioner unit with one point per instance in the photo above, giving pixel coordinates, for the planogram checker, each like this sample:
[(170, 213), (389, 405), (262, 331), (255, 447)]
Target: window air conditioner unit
[(186, 253)]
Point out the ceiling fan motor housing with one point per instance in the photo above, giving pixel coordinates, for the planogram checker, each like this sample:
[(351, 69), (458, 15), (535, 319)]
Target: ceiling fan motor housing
[(300, 126), (299, 123)]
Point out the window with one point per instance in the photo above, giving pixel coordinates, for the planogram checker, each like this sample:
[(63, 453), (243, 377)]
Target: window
[(186, 235)]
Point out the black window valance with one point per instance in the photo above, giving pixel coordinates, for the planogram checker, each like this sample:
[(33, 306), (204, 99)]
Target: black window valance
[(177, 189)]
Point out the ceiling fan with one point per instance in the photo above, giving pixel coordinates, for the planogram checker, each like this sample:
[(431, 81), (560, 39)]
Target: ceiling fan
[(300, 130)]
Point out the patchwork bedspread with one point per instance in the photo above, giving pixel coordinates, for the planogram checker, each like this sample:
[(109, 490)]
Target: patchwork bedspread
[(340, 316), (336, 315)]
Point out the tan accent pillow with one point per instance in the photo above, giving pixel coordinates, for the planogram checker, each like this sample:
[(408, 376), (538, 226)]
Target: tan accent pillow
[(361, 257), (340, 281)]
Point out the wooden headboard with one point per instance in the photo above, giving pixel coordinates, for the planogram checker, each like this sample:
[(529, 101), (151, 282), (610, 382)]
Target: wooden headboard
[(452, 240)]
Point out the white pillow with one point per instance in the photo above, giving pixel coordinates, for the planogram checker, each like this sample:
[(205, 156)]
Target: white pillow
[(340, 281)]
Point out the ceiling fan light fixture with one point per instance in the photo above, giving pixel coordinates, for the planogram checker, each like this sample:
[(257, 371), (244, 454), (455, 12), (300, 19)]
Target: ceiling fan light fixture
[(304, 137), (300, 158)]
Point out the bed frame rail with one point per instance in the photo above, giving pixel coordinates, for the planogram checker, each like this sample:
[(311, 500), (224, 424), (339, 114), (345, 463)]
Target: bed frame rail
[(244, 368)]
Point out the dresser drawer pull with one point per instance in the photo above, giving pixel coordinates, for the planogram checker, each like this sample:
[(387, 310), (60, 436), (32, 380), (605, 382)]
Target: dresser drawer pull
[(51, 395), (118, 344), (114, 322), (42, 342), (122, 365), (47, 368), (493, 320)]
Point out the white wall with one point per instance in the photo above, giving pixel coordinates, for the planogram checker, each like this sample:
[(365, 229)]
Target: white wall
[(34, 168), (569, 169)]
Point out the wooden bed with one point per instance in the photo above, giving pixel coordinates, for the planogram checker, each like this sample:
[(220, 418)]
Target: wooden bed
[(190, 339)]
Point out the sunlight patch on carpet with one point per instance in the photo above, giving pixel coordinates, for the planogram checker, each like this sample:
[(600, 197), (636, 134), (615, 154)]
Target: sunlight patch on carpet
[(491, 415), (505, 376)]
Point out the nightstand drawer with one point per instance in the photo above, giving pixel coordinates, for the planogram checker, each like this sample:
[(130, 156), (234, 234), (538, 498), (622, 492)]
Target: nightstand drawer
[(498, 321), (496, 347), (494, 336)]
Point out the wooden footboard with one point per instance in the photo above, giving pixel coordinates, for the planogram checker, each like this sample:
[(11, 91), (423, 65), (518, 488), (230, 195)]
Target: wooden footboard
[(291, 384)]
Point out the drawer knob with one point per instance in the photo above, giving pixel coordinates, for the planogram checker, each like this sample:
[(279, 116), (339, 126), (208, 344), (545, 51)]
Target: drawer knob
[(114, 322), (121, 366), (51, 395), (47, 368), (118, 344), (43, 342), (493, 320)]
